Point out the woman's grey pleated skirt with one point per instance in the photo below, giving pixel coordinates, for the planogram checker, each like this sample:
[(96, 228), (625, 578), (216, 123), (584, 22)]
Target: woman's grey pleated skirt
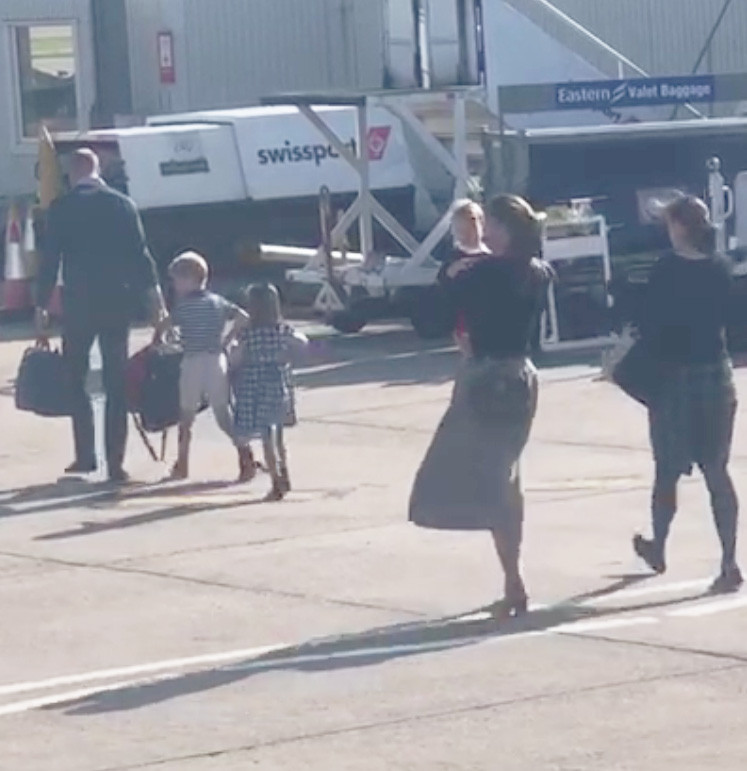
[(469, 478)]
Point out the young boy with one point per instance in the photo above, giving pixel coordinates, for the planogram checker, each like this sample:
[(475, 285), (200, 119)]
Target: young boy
[(201, 319)]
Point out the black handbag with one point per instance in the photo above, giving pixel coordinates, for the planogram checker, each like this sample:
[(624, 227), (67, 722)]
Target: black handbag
[(43, 383), (640, 373), (159, 406)]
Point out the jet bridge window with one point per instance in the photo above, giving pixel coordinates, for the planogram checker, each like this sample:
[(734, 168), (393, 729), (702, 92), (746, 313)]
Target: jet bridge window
[(46, 68)]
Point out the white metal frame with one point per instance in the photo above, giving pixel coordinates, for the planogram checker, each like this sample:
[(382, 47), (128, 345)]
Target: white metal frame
[(569, 248), (720, 201), (20, 142), (420, 269)]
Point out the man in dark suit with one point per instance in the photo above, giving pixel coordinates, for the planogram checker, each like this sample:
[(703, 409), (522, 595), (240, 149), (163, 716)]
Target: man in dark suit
[(95, 233)]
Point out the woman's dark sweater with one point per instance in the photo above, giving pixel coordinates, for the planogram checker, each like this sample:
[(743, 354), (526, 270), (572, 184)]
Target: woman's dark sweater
[(686, 309), (500, 299)]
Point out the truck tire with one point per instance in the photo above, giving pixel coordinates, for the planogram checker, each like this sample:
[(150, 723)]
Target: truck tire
[(431, 315), (348, 322)]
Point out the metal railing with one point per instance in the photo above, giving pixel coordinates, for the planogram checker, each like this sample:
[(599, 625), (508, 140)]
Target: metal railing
[(622, 62)]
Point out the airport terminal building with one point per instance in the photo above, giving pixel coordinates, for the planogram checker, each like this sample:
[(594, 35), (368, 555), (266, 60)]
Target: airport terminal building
[(77, 64)]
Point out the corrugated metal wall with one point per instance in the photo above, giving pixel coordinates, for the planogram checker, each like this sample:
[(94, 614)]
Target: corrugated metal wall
[(233, 52), (662, 36), (145, 19), (17, 161)]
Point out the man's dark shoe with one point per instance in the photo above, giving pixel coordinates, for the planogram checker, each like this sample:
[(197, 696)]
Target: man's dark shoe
[(82, 468), (119, 476)]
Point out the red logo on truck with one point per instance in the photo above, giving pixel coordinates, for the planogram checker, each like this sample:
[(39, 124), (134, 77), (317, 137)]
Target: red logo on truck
[(378, 139)]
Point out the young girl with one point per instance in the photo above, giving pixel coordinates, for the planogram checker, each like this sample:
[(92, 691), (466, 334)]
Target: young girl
[(467, 228), (264, 390)]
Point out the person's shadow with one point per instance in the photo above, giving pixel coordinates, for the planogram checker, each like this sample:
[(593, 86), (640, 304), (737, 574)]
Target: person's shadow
[(75, 493), (369, 648)]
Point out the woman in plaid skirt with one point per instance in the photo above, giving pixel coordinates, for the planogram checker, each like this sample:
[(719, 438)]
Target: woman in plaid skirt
[(692, 415), (264, 391)]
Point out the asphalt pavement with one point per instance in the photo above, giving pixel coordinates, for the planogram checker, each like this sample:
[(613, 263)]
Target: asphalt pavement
[(191, 626)]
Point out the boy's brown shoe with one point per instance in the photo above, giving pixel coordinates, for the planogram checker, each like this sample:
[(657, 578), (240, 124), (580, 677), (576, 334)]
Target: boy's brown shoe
[(179, 471), (247, 466)]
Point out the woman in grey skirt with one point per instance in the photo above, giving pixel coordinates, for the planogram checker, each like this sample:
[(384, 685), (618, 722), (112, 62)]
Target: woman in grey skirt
[(692, 415), (469, 479)]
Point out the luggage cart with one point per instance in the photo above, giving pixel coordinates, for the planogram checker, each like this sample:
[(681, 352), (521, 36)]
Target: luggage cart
[(581, 235)]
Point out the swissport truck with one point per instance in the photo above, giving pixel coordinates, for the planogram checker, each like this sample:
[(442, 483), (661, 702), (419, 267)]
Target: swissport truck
[(224, 182)]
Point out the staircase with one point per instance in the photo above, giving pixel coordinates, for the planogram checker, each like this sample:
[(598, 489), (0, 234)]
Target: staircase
[(573, 35), (549, 21)]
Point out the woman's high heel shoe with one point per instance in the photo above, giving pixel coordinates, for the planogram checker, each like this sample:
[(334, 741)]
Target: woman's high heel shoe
[(510, 608)]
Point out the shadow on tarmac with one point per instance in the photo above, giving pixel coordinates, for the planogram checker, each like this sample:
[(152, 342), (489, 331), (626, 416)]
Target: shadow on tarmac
[(189, 499), (77, 493), (369, 648), (399, 358)]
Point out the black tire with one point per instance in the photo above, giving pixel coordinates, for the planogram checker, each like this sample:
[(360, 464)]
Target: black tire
[(431, 315), (348, 322)]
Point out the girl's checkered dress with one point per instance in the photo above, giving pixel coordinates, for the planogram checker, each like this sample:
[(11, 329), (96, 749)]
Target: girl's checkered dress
[(264, 386)]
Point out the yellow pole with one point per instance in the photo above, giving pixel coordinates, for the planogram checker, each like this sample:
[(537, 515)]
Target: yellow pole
[(50, 177)]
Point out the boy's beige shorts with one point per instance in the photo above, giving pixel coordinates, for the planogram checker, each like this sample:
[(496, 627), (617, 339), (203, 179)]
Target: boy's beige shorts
[(204, 377)]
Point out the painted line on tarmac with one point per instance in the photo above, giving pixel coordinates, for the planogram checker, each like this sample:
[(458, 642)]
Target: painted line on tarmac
[(709, 608), (141, 669), (16, 689), (308, 659), (45, 702), (258, 658), (582, 627), (68, 697), (671, 588)]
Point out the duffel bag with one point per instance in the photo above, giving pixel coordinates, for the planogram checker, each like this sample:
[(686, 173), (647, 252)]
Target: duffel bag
[(159, 399), (43, 383), (135, 376)]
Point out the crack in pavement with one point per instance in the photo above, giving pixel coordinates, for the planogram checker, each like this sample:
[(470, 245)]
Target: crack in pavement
[(176, 577), (433, 716), (735, 658), (251, 544), (587, 445)]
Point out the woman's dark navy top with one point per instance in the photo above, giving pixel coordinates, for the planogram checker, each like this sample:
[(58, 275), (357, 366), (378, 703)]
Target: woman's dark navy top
[(500, 299), (686, 309)]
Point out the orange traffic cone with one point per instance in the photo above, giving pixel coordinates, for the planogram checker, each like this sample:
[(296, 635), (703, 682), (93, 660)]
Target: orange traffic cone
[(30, 256), (17, 287)]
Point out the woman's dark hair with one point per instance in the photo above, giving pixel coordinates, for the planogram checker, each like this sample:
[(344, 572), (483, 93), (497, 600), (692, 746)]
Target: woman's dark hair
[(692, 213), (524, 226)]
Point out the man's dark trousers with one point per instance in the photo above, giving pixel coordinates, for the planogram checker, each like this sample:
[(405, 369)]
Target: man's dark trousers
[(81, 329)]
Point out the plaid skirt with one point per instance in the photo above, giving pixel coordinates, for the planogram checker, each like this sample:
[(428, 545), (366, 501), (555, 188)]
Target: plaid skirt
[(469, 478), (692, 422), (264, 396)]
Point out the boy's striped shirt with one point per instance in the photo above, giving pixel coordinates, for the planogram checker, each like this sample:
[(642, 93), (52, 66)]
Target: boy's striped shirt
[(201, 318)]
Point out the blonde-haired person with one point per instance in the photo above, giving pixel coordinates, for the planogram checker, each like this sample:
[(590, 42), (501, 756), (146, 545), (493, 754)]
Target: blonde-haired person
[(692, 414), (201, 318), (468, 228), (467, 232), (469, 478), (264, 389)]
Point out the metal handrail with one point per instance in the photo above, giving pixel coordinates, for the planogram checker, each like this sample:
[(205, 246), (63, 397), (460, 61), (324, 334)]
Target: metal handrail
[(620, 58)]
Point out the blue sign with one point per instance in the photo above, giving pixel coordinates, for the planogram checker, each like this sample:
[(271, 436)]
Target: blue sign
[(641, 92)]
